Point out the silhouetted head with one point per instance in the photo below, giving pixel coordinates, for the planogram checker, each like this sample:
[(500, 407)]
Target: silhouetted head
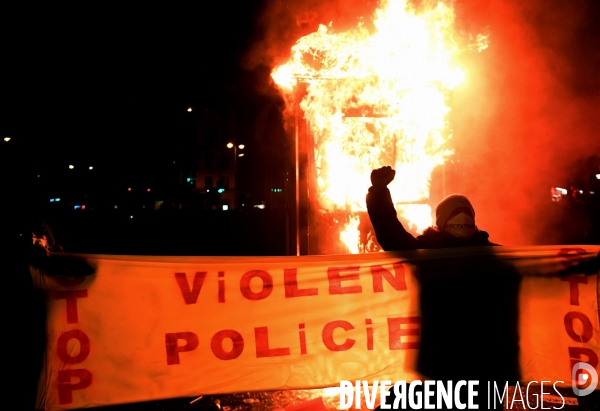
[(41, 234), (455, 215)]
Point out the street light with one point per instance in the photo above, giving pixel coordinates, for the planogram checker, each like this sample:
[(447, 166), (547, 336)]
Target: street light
[(235, 156), (235, 148)]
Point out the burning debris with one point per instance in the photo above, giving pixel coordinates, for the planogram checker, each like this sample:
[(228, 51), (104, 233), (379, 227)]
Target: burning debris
[(377, 97)]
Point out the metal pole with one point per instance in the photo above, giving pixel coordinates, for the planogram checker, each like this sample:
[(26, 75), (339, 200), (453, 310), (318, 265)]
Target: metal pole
[(286, 187), (235, 185), (297, 109)]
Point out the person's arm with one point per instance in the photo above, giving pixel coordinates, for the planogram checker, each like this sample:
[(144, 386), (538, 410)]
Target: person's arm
[(390, 233)]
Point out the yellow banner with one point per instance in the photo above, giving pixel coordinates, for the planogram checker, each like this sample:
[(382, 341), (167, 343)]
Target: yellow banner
[(148, 328)]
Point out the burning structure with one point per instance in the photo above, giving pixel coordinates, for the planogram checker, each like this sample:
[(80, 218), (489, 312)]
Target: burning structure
[(364, 98)]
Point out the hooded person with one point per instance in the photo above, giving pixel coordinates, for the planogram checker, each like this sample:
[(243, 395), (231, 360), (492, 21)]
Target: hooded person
[(455, 220), (459, 296)]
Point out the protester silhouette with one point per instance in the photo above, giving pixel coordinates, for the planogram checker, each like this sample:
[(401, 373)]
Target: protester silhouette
[(455, 220), (468, 297), (32, 243)]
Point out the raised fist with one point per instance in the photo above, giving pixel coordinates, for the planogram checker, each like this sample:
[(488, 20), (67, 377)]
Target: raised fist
[(381, 177)]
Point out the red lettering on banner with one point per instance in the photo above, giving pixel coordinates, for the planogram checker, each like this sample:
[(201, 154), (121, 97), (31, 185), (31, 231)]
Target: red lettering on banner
[(267, 285), (173, 349), (261, 335), (65, 388), (396, 332), (302, 335), (397, 281), (575, 354), (71, 297), (588, 329), (84, 346), (368, 323), (574, 281), (335, 280), (221, 286), (190, 296), (216, 344), (327, 335), (290, 276)]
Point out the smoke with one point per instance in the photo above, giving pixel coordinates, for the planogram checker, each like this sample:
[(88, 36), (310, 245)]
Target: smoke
[(528, 112)]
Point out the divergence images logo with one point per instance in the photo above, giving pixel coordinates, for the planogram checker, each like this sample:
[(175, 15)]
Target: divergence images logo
[(580, 376)]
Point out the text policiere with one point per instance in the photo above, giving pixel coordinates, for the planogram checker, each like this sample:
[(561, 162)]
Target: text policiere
[(401, 336)]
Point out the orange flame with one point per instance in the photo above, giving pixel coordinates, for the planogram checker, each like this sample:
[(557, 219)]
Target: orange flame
[(377, 99)]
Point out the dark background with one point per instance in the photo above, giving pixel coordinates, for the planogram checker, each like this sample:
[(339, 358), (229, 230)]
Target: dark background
[(110, 88)]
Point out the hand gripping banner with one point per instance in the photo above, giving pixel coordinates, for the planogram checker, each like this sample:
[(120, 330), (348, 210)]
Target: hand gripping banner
[(148, 328)]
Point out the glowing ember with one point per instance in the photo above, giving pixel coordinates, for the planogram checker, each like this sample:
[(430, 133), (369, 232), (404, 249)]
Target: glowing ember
[(377, 99)]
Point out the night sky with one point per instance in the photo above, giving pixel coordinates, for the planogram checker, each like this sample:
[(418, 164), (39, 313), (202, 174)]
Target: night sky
[(94, 85)]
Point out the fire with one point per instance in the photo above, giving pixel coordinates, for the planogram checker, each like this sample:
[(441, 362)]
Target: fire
[(378, 98), (351, 236)]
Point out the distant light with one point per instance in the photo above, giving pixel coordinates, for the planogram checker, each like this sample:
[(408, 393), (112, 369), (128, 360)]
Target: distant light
[(225, 207), (91, 167), (598, 176), (128, 188), (116, 206), (189, 109), (207, 190), (261, 206), (562, 190), (189, 179), (241, 155), (241, 146), (591, 192), (148, 190), (39, 176), (7, 139), (130, 216), (57, 199), (221, 190), (83, 207), (76, 207), (229, 145), (580, 191), (51, 200), (71, 166)]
